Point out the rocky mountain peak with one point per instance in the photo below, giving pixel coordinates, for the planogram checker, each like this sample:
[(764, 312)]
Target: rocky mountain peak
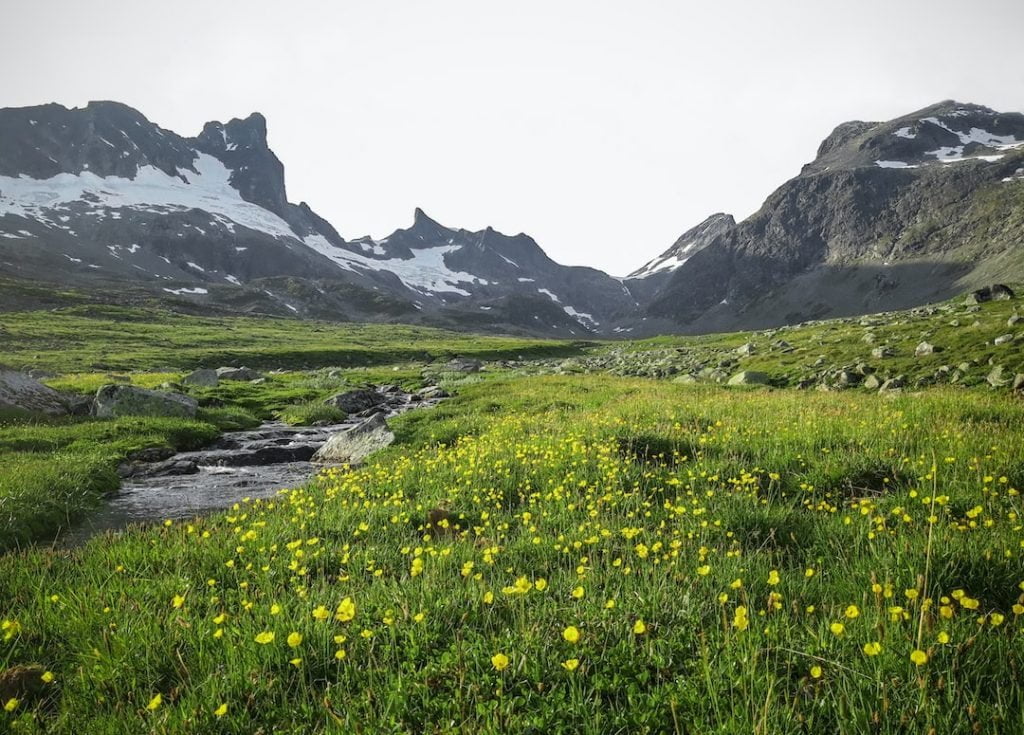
[(241, 145), (944, 133), (687, 245)]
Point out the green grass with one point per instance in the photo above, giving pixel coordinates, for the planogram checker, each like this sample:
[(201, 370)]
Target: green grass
[(95, 338), (650, 496), (962, 334), (51, 472)]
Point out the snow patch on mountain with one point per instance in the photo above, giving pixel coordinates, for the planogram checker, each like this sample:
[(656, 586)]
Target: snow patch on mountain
[(208, 188), (666, 262), (426, 271)]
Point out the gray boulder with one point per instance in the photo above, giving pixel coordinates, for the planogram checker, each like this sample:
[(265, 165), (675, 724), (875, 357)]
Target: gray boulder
[(872, 382), (432, 391), (750, 377), (356, 444), (355, 401), (1014, 320), (925, 348), (746, 349), (112, 401), (205, 377), (464, 365), (1003, 339), (881, 352), (19, 392), (893, 384), (998, 377), (995, 292), (237, 373), (1018, 383)]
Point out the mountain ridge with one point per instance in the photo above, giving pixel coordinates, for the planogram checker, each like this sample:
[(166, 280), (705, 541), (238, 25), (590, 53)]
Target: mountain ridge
[(102, 195)]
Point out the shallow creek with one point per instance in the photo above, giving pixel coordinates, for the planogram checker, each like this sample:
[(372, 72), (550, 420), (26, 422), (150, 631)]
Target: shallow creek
[(241, 464)]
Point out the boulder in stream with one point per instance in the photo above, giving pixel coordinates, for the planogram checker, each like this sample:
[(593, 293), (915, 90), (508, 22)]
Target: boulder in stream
[(356, 444)]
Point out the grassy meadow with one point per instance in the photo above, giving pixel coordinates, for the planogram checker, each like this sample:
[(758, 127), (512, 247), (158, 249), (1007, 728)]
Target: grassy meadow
[(607, 555), (541, 553)]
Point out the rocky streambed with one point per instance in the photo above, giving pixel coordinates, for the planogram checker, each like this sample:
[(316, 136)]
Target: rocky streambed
[(255, 463)]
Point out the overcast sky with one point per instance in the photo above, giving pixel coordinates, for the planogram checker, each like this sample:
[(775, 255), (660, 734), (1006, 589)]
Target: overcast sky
[(602, 129)]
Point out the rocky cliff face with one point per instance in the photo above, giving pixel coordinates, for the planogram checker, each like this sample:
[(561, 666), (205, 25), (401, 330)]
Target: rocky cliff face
[(889, 215)]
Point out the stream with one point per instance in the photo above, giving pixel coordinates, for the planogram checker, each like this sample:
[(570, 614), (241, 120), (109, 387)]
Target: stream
[(255, 463)]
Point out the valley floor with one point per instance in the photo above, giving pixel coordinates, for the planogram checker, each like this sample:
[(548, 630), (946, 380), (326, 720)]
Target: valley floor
[(553, 549)]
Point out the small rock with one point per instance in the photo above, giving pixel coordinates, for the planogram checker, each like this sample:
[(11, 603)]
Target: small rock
[(1018, 383), (893, 384), (872, 382), (112, 401), (1003, 339), (881, 352), (995, 292), (1014, 320), (240, 373), (464, 365), (431, 391), (925, 348), (355, 401), (846, 378), (205, 377), (746, 349), (750, 377), (998, 377)]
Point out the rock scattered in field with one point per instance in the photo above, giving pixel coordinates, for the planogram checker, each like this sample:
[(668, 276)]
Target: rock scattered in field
[(464, 365), (1014, 320), (112, 401), (750, 377), (995, 292), (19, 392), (1018, 383), (925, 348), (431, 391), (1003, 339), (893, 384), (998, 377), (746, 349), (237, 373), (206, 378), (882, 352), (356, 444)]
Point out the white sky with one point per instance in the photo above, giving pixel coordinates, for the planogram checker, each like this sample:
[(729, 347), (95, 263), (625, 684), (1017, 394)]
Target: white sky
[(603, 129)]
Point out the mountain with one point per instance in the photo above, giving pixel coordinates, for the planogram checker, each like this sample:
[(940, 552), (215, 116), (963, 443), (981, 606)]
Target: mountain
[(648, 280), (889, 215), (101, 196)]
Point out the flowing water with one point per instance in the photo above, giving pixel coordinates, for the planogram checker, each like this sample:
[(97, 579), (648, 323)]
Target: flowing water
[(241, 464)]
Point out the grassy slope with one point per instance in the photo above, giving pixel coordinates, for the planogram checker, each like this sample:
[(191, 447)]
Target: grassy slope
[(962, 334), (651, 498)]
